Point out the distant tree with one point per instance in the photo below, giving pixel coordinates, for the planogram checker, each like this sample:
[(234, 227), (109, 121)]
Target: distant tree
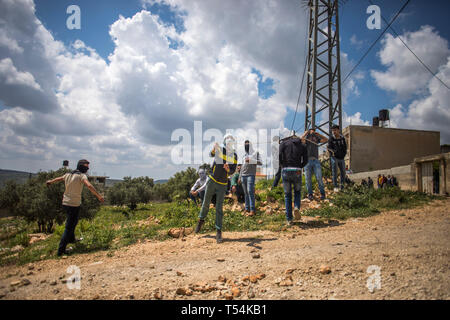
[(180, 184), (131, 191), (161, 192)]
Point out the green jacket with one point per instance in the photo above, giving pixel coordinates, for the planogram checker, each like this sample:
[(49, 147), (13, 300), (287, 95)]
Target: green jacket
[(234, 179)]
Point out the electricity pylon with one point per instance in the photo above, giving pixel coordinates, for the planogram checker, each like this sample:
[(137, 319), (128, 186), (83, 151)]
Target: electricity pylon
[(323, 94)]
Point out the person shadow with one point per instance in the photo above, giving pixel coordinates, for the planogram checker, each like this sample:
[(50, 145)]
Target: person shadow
[(307, 222), (251, 242)]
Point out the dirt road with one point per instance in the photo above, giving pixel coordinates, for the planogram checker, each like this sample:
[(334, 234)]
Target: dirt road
[(408, 251)]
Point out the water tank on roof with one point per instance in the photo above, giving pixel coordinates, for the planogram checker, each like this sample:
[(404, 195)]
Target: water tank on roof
[(376, 122), (383, 115)]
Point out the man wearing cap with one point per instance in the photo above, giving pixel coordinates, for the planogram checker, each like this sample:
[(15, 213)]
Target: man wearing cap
[(74, 182)]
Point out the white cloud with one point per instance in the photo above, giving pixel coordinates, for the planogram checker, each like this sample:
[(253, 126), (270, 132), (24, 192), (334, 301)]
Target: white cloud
[(428, 107), (9, 76), (120, 113), (405, 76), (353, 120), (354, 41), (430, 112)]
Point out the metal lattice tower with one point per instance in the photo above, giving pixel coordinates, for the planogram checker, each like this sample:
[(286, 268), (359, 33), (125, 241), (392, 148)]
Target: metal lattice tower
[(323, 93)]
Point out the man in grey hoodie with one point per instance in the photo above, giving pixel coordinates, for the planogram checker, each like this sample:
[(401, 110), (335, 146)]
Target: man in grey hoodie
[(247, 177), (198, 189)]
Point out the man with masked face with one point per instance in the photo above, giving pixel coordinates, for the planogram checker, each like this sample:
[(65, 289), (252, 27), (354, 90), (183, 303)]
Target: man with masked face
[(224, 165), (198, 189), (74, 182), (247, 177)]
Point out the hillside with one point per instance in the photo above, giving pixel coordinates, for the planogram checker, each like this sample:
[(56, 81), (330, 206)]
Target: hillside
[(17, 176)]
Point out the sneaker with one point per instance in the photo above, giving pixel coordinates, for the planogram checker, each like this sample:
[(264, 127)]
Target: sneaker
[(289, 223), (322, 196), (199, 225), (219, 236), (76, 240), (251, 214), (297, 215), (310, 197)]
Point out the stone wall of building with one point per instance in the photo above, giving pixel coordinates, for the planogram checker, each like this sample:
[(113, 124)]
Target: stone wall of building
[(374, 148)]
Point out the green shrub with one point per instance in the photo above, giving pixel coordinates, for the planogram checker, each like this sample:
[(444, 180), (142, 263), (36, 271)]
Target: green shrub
[(131, 191)]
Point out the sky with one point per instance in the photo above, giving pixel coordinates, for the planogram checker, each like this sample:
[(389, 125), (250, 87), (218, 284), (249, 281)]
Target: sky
[(138, 75)]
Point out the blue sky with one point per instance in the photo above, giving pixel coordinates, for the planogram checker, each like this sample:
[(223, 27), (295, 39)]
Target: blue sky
[(353, 22), (97, 16), (230, 64)]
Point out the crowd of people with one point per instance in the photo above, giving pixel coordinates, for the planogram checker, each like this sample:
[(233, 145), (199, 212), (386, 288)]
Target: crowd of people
[(291, 156)]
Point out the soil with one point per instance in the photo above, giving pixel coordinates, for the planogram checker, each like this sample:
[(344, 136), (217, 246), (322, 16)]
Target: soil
[(407, 250)]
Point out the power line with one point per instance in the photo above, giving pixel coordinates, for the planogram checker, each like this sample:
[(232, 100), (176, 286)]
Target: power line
[(303, 78), (404, 43), (379, 37)]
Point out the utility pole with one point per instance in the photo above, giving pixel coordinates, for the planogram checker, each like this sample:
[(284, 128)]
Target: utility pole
[(323, 95)]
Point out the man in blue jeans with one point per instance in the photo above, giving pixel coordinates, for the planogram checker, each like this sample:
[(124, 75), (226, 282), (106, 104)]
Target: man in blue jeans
[(338, 149), (247, 177), (313, 139), (293, 157)]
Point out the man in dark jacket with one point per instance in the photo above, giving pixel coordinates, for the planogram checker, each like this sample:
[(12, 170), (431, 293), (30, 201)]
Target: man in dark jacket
[(370, 182), (225, 161), (293, 156), (338, 149)]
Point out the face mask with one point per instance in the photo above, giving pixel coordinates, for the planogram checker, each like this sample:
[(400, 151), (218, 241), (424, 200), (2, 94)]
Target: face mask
[(83, 169), (247, 147)]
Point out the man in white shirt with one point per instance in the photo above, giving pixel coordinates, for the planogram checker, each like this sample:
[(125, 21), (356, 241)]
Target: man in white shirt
[(74, 182), (198, 189)]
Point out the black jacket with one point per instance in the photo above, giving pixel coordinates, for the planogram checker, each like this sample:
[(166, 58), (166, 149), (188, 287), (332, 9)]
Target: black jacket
[(218, 173), (338, 146), (293, 153)]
